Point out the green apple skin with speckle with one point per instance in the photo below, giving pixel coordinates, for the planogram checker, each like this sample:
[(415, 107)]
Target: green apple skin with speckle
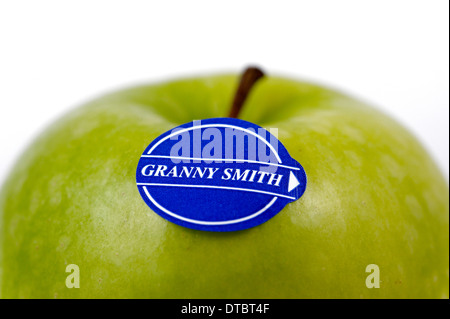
[(374, 196)]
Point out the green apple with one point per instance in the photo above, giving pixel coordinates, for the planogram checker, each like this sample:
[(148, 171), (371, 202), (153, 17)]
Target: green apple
[(374, 197)]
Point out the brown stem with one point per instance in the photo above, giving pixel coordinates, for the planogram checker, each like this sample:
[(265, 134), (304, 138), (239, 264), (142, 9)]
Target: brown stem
[(250, 76)]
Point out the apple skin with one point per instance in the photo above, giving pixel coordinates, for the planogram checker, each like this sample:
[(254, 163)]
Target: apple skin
[(374, 196)]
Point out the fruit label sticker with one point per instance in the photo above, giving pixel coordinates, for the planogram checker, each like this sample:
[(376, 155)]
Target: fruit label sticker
[(219, 174)]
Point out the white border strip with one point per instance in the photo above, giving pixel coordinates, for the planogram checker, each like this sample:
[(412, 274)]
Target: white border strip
[(220, 159), (216, 187)]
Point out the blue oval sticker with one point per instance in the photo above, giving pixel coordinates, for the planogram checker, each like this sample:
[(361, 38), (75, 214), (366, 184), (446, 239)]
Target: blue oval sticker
[(219, 174)]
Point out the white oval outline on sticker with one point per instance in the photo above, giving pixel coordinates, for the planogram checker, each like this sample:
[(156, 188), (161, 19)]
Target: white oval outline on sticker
[(200, 222), (215, 125)]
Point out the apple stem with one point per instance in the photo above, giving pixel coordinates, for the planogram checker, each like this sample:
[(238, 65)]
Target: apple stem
[(250, 76)]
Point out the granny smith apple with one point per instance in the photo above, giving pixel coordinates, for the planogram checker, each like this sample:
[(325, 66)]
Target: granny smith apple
[(373, 222)]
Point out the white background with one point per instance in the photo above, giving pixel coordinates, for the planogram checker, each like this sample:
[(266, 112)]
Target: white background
[(55, 55)]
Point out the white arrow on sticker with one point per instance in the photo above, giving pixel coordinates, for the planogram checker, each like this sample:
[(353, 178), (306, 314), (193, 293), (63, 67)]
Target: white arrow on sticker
[(293, 182)]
